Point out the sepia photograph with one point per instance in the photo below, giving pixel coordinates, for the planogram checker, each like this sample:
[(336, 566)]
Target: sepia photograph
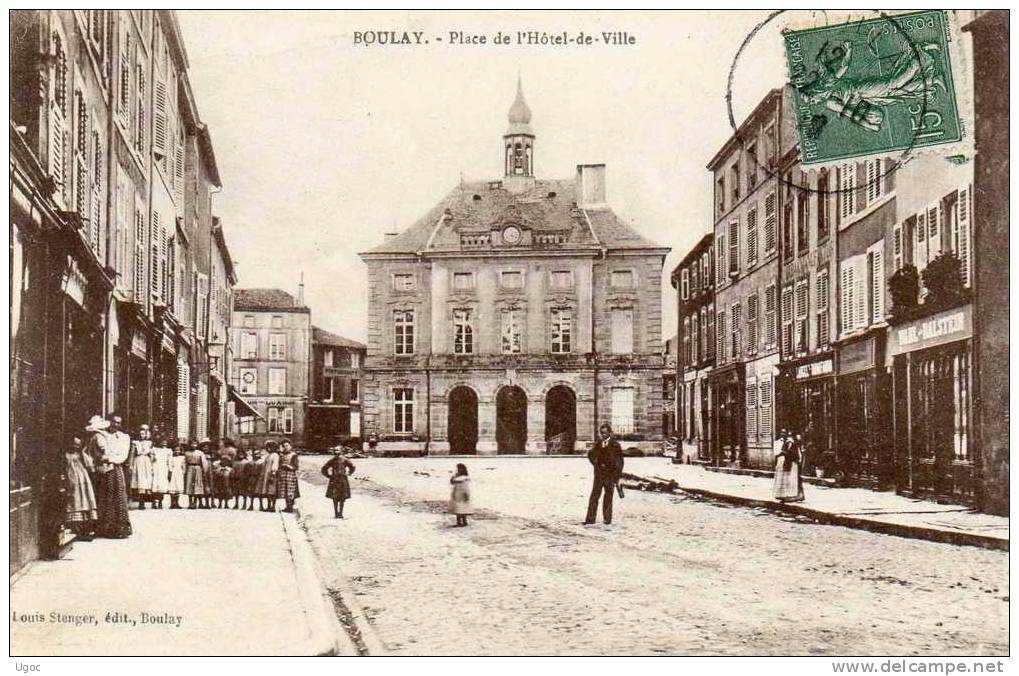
[(500, 333)]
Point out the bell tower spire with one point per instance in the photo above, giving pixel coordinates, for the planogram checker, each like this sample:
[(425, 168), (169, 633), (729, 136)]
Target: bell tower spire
[(518, 145)]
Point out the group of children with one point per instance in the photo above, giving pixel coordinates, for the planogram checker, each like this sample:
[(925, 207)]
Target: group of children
[(209, 478)]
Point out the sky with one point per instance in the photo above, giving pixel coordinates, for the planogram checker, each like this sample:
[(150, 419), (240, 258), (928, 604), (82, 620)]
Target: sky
[(324, 145)]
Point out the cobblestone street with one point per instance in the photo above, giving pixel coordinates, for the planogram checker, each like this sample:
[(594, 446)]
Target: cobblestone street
[(671, 575)]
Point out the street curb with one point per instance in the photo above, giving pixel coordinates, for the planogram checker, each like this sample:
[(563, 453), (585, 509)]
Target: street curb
[(327, 636), (883, 527), (372, 644)]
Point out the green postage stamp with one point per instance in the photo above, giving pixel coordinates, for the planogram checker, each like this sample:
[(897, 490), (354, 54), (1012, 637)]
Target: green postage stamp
[(875, 87)]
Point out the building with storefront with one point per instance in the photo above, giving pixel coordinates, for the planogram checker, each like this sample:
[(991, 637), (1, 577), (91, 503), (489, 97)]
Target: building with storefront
[(102, 306), (694, 281), (272, 335), (334, 407), (514, 317), (748, 199)]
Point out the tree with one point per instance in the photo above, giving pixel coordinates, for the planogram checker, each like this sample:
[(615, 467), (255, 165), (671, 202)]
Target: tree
[(904, 287), (943, 279)]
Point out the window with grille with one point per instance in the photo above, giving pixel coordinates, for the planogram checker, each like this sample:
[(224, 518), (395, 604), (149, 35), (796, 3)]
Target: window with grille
[(511, 331), (403, 330), (822, 289), (622, 410), (277, 381), (463, 332), (403, 410), (403, 281), (277, 346), (562, 331)]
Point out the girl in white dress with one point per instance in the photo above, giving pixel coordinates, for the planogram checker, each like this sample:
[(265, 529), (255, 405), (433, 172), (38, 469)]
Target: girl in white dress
[(160, 470), (176, 484), (141, 467)]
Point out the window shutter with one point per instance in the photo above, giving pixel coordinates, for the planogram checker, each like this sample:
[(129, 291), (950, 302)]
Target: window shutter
[(183, 399), (962, 220), (737, 324), (702, 344), (752, 237), (847, 191), (897, 247), (769, 223), (178, 170), (873, 181), (751, 397), (878, 284), (733, 246), (860, 292), (720, 249), (764, 415), (752, 322), (139, 255), (847, 292), (933, 232), (154, 248), (770, 326), (160, 122), (124, 100), (720, 335)]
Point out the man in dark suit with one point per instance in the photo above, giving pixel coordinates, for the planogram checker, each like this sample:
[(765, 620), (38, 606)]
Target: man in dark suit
[(607, 458)]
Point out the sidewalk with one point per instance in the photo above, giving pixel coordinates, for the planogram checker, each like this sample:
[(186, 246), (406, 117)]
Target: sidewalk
[(881, 512), (201, 582)]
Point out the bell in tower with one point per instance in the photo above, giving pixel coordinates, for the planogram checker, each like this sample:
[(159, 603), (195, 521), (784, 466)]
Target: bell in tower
[(518, 145)]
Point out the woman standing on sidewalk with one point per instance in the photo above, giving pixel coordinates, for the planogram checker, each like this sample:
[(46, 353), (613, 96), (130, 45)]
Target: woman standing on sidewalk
[(337, 469), (141, 466), (460, 495), (81, 498), (788, 484), (286, 483), (194, 476), (111, 489)]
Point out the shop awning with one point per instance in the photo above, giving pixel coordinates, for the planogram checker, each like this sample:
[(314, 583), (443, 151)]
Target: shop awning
[(243, 408)]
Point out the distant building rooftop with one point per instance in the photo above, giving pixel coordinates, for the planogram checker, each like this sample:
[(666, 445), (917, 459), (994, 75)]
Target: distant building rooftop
[(276, 300), (320, 336)]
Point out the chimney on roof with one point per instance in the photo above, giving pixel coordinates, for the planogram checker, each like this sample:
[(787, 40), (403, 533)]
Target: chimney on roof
[(590, 186), (300, 291)]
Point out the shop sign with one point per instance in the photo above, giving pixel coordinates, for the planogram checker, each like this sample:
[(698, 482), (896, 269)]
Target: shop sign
[(139, 345), (817, 368), (857, 356), (277, 403), (74, 283), (944, 327)]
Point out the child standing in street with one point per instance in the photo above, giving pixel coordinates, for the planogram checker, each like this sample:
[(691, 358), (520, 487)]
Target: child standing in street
[(176, 485), (460, 495), (160, 470), (222, 480)]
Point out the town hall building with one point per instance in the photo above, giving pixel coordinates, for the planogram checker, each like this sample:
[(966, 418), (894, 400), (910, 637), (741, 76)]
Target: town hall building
[(515, 317)]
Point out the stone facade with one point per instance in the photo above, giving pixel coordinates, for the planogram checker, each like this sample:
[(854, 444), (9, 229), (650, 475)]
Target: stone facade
[(515, 317)]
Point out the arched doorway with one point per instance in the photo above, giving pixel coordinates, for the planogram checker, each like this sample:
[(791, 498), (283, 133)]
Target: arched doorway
[(462, 421), (560, 419), (511, 420)]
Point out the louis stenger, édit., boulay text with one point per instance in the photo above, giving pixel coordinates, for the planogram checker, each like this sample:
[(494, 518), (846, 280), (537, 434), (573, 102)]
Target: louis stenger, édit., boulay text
[(520, 38), (96, 618)]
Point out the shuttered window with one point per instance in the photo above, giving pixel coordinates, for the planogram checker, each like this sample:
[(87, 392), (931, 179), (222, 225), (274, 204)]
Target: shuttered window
[(737, 324), (770, 214), (753, 312), (787, 320), (752, 237), (933, 232), (720, 251), (139, 255), (963, 245), (875, 181), (847, 190), (733, 247), (720, 329), (876, 274), (822, 290), (709, 343), (770, 319), (764, 413), (702, 343), (751, 400), (183, 399), (160, 131), (802, 301)]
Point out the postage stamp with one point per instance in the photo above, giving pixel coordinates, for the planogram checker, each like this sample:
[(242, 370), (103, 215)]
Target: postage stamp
[(875, 87)]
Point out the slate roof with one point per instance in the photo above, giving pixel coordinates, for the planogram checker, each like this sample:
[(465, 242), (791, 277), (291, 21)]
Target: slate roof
[(534, 208), (320, 336), (266, 299)]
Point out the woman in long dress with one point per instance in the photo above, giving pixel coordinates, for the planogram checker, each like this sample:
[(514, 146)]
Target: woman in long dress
[(255, 477), (788, 484), (160, 455), (267, 484), (337, 470), (141, 466), (194, 476), (286, 479), (460, 495), (205, 446), (175, 486), (110, 487), (81, 498)]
